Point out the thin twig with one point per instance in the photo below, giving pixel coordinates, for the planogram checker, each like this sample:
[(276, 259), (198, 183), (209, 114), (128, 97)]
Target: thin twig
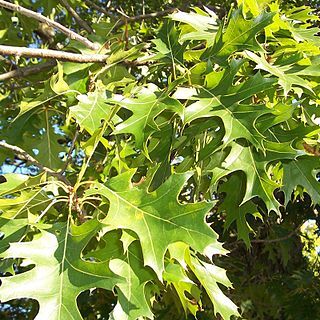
[(27, 157), (152, 15), (126, 19), (288, 236), (78, 19), (35, 15), (137, 63), (52, 54), (96, 7), (123, 14), (26, 71), (69, 155)]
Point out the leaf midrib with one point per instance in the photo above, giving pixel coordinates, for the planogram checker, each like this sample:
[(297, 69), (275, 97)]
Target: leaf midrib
[(152, 215), (243, 33)]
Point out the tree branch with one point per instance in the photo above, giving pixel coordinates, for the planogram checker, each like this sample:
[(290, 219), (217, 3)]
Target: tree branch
[(52, 54), (23, 72), (31, 14), (26, 71), (27, 157), (69, 155), (78, 19)]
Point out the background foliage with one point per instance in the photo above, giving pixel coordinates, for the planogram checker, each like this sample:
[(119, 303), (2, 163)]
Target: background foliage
[(122, 179)]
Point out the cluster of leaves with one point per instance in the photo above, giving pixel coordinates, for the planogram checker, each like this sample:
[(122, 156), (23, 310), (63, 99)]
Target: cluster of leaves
[(209, 119), (276, 279)]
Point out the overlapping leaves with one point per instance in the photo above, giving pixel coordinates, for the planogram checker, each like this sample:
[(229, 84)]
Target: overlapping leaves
[(145, 108), (60, 274), (240, 34), (234, 120)]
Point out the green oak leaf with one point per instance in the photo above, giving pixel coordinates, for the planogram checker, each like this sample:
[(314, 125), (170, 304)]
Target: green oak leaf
[(302, 34), (253, 164), (302, 172), (30, 201), (219, 82), (35, 132), (223, 100), (253, 85), (91, 110), (286, 79), (297, 133), (302, 14), (197, 21), (13, 230), (76, 75), (21, 199), (238, 119), (42, 96), (204, 26), (158, 215), (11, 182), (240, 34), (122, 55), (145, 108), (253, 6), (128, 264), (116, 76), (176, 276), (132, 302), (280, 113), (235, 212), (209, 276), (59, 274), (44, 146), (14, 131), (310, 70), (168, 46)]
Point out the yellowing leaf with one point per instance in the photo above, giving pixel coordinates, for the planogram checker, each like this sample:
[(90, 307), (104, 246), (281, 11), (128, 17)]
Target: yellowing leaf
[(58, 85)]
